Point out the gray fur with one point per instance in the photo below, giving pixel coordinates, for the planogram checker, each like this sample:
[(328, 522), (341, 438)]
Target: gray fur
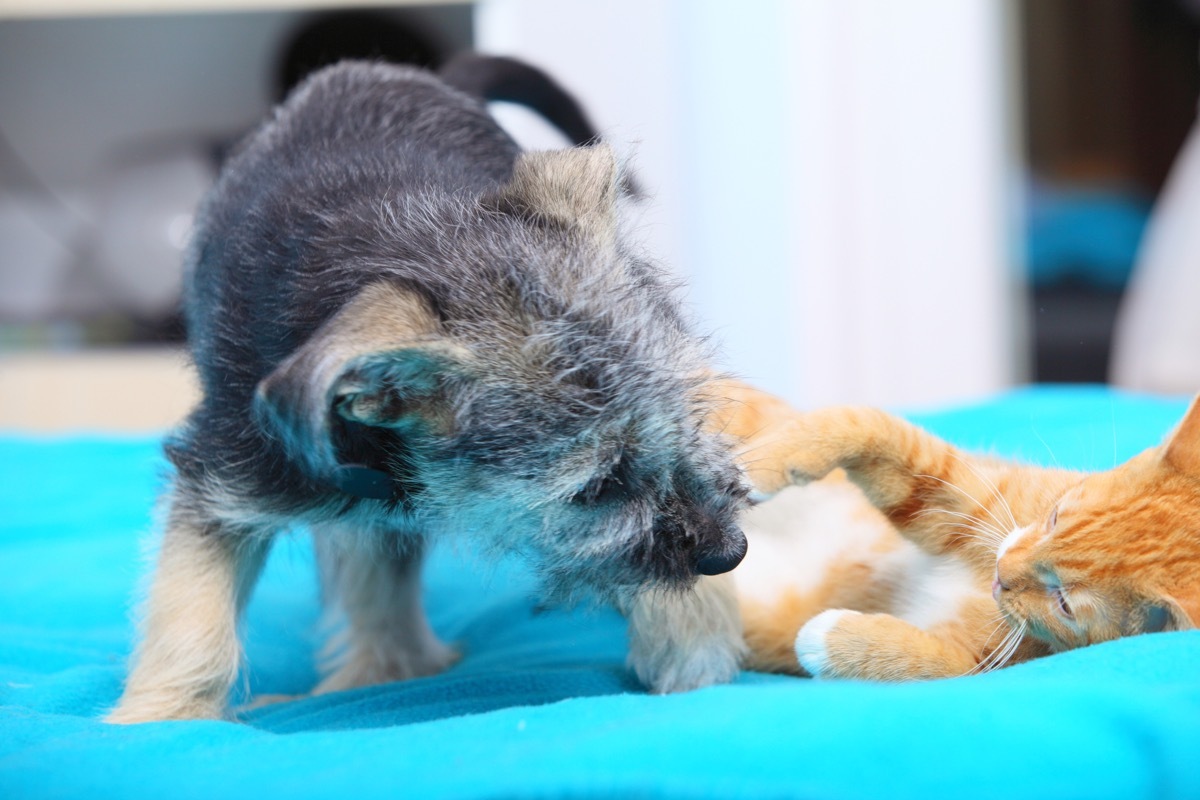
[(380, 277)]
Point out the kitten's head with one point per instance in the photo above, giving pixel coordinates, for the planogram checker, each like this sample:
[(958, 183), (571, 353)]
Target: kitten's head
[(1116, 554)]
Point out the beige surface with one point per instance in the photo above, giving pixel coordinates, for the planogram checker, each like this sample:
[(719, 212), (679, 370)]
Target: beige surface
[(131, 391)]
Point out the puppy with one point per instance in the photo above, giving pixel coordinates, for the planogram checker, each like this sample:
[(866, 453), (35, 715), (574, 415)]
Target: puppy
[(406, 329)]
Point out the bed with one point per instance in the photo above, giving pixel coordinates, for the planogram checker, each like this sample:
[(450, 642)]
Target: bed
[(542, 704)]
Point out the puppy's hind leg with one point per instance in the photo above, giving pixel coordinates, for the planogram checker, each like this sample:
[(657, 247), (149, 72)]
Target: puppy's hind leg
[(189, 654), (683, 640), (375, 581)]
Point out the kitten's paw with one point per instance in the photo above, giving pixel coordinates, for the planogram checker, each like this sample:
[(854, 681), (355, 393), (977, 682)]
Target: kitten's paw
[(786, 455), (812, 643)]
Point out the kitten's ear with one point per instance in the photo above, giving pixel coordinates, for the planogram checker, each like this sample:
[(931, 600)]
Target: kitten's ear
[(1182, 448), (378, 361), (576, 187)]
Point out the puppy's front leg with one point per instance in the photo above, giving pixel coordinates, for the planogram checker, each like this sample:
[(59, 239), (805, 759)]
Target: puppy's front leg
[(190, 653), (682, 640)]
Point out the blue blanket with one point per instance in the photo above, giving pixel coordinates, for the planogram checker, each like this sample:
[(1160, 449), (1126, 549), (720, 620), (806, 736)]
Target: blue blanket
[(542, 705)]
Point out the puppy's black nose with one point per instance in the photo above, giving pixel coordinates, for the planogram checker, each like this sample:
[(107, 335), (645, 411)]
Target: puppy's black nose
[(725, 560)]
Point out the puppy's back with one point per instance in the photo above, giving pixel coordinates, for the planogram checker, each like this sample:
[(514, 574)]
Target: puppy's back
[(302, 197), (398, 123)]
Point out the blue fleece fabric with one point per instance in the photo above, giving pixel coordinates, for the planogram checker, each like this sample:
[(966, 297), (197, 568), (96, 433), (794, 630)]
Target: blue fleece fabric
[(542, 704)]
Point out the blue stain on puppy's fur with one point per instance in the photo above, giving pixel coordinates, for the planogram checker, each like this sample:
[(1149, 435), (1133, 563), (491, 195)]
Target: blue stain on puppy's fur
[(380, 281)]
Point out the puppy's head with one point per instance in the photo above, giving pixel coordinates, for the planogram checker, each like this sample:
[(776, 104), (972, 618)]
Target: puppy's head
[(539, 389)]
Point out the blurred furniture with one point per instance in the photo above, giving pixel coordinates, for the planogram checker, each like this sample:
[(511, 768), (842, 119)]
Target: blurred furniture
[(1157, 344), (111, 391), (1110, 90)]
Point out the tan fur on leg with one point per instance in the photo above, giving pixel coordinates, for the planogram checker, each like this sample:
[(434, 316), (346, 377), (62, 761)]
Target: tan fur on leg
[(387, 637), (189, 654), (682, 640)]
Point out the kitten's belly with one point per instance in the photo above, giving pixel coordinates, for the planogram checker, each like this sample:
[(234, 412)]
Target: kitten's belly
[(798, 538), (824, 546)]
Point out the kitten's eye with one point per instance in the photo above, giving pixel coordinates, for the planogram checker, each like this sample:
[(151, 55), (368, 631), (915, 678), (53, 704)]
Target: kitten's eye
[(1060, 600), (1053, 517)]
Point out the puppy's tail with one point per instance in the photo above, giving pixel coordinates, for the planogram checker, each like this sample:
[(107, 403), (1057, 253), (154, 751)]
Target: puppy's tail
[(495, 78)]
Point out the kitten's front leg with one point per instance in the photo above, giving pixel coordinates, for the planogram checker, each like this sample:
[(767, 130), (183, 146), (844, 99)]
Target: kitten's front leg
[(904, 471), (847, 644), (878, 451)]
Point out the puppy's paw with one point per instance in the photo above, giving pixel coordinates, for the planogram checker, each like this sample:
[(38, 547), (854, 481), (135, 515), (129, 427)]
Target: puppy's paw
[(683, 668), (812, 643), (264, 700), (368, 666), (161, 707), (679, 641)]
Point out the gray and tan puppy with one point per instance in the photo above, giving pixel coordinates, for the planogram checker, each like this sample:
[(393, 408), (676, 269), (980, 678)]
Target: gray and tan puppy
[(406, 329)]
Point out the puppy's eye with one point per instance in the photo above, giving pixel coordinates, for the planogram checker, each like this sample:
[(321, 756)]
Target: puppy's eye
[(1060, 601)]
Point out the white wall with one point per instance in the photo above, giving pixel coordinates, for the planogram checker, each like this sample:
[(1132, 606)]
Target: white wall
[(114, 118), (829, 175)]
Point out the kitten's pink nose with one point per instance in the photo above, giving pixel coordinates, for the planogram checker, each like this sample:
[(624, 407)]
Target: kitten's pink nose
[(997, 588)]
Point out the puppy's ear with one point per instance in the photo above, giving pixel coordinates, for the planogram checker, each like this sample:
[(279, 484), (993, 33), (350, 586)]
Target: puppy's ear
[(577, 187), (374, 362)]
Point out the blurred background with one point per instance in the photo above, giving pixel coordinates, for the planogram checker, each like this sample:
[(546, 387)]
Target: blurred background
[(905, 204)]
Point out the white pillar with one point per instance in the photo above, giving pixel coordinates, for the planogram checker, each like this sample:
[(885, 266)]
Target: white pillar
[(831, 177)]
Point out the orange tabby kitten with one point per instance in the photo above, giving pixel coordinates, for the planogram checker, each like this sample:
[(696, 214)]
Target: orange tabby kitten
[(960, 563)]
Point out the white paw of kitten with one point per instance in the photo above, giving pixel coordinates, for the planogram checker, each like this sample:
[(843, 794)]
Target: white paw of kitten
[(810, 642)]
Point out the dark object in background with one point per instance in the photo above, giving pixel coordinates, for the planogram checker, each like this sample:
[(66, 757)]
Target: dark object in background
[(1110, 89), (329, 38), (1072, 332)]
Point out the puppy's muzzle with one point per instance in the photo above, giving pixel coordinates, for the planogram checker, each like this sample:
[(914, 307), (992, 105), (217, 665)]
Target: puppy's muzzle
[(721, 561)]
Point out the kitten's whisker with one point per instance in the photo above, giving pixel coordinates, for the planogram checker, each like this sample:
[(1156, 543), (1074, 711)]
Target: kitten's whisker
[(973, 521), (995, 490), (1000, 624), (977, 524), (1003, 653), (986, 538), (1053, 458), (1010, 648), (967, 495)]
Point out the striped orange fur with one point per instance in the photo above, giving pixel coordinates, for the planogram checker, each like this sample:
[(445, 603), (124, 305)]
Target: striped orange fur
[(905, 558)]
